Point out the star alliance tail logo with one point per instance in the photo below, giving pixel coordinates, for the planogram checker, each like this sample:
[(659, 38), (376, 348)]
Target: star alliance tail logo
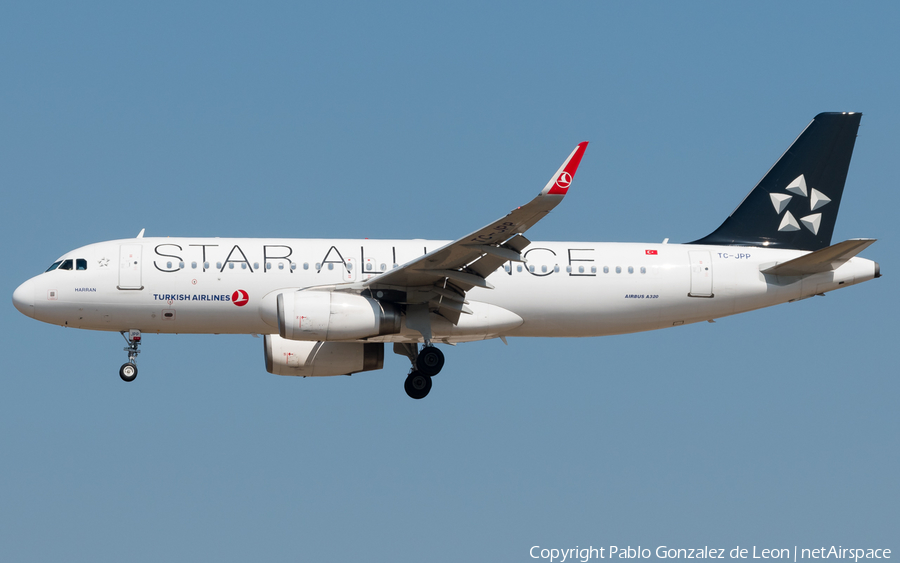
[(817, 200)]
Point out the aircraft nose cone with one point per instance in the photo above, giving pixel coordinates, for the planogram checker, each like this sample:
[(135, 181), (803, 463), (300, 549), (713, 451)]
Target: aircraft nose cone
[(23, 298)]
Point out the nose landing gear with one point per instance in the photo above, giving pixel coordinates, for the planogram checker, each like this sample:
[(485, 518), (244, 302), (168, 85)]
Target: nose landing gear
[(129, 370)]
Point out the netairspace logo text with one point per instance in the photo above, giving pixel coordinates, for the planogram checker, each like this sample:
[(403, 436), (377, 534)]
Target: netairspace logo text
[(584, 554)]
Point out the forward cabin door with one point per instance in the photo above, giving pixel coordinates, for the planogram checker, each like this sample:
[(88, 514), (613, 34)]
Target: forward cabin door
[(130, 266), (701, 274)]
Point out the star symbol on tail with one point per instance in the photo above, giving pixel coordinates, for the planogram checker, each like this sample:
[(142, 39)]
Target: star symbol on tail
[(817, 200)]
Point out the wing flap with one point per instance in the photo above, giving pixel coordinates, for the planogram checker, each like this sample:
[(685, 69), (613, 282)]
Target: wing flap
[(487, 265), (502, 252), (518, 243)]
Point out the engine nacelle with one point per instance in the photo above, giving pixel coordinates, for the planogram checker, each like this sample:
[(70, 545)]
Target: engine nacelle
[(316, 359), (329, 315)]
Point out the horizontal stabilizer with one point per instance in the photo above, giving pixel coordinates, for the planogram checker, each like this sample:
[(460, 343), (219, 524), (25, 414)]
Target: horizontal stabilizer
[(824, 260)]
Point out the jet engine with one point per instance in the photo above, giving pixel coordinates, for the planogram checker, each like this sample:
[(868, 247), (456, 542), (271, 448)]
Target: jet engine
[(316, 359), (329, 315)]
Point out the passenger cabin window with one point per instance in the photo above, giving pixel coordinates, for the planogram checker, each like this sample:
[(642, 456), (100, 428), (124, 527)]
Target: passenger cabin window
[(66, 265), (306, 265), (281, 265), (383, 267), (193, 265), (53, 266), (80, 264), (293, 266)]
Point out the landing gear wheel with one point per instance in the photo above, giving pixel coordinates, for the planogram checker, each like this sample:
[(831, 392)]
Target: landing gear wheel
[(430, 361), (128, 372), (417, 385)]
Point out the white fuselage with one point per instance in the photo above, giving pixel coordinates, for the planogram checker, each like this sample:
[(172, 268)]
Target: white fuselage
[(564, 289)]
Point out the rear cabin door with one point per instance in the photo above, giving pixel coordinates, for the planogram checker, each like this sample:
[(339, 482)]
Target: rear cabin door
[(701, 274), (130, 266)]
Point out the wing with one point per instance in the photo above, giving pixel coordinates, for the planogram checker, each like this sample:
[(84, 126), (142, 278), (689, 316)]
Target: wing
[(442, 277)]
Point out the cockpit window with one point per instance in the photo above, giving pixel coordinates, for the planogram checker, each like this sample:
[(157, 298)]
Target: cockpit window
[(54, 266), (80, 264), (66, 265)]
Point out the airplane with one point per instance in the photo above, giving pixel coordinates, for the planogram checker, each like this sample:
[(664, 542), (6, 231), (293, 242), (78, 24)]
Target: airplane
[(328, 307)]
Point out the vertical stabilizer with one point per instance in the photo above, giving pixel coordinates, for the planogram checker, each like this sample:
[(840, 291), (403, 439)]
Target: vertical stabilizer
[(796, 203)]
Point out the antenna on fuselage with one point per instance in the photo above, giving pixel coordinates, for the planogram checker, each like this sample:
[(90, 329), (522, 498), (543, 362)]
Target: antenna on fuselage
[(140, 234)]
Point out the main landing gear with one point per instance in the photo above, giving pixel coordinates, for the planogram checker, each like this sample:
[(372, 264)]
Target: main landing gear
[(417, 385), (425, 364), (430, 361), (129, 370)]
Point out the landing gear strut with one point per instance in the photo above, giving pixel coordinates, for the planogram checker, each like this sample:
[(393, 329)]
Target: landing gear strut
[(129, 370), (425, 364)]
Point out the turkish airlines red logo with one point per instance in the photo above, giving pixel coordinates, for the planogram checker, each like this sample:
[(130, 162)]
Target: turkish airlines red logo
[(651, 252), (240, 298), (564, 180)]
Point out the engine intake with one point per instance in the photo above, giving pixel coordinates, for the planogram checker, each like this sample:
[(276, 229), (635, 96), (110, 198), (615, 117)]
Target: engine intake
[(328, 315), (317, 359)]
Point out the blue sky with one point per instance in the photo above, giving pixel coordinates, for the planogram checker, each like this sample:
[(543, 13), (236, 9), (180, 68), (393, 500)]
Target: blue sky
[(408, 120)]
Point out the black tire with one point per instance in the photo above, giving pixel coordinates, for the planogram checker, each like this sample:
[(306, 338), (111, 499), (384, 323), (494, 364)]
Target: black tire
[(128, 371), (417, 385), (430, 361)]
